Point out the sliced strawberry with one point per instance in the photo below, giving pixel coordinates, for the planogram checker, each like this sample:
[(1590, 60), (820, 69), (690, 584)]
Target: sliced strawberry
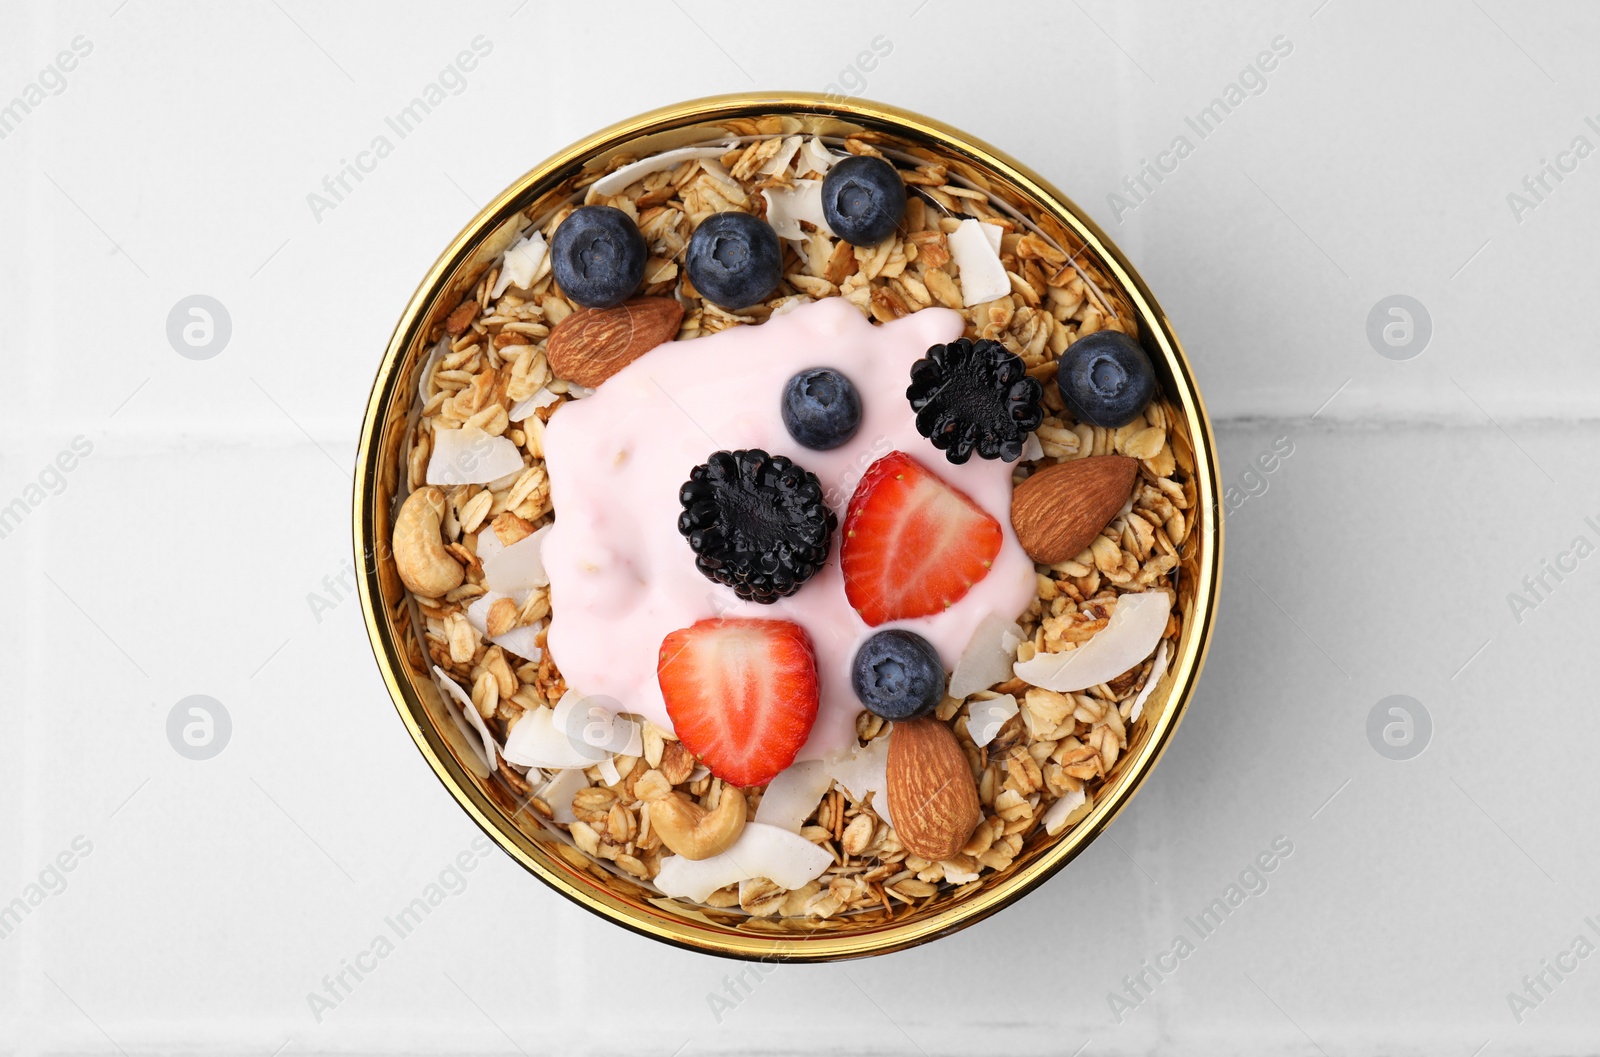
[(913, 545), (742, 694)]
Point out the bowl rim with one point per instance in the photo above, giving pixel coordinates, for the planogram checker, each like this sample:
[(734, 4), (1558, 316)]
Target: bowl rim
[(682, 932)]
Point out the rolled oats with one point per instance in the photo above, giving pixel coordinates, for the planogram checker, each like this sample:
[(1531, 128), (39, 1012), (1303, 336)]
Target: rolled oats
[(761, 897), (594, 803), (652, 785), (502, 617), (857, 836)]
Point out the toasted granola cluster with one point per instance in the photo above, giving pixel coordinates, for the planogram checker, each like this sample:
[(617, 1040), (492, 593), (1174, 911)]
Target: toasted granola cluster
[(1057, 746)]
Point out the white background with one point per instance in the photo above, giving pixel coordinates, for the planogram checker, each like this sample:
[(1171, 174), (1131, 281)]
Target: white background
[(180, 555)]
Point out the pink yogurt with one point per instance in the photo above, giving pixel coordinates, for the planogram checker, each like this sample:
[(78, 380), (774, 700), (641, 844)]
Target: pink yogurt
[(622, 578)]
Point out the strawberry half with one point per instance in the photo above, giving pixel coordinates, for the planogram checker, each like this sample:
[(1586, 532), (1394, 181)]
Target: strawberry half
[(742, 694), (913, 545)]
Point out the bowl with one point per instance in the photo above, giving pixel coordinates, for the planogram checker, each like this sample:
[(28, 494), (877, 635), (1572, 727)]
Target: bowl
[(394, 629)]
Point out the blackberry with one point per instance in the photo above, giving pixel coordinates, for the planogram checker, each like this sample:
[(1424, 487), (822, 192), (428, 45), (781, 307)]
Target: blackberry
[(756, 522), (975, 396)]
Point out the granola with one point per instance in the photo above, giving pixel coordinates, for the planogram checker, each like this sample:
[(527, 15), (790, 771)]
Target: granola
[(1047, 762)]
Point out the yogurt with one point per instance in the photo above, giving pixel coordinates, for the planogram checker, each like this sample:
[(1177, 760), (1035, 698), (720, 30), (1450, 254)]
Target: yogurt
[(622, 577)]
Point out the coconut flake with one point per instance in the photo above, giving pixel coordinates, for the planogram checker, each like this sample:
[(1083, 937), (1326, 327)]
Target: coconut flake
[(632, 737), (1131, 635), (1157, 670), (864, 770), (618, 181), (597, 729), (977, 257), (488, 543), (780, 161), (469, 710), (699, 772), (587, 725), (985, 718), (523, 641), (519, 567), (959, 877), (558, 793), (987, 658), (578, 392), (435, 354), (1055, 816), (1032, 449), (817, 156), (520, 263), (543, 398), (794, 794), (761, 851), (470, 456), (608, 771), (536, 741), (787, 206)]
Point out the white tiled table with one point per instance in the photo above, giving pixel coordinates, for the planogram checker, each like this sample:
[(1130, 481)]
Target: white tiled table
[(181, 552)]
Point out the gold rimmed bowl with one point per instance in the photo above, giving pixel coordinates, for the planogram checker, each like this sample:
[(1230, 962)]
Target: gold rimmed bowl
[(395, 631)]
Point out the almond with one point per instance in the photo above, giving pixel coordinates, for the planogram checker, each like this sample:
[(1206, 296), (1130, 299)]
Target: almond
[(933, 797), (1061, 509), (592, 344)]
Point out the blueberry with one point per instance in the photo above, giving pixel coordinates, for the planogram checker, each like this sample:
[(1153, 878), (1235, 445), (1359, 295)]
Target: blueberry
[(1106, 379), (734, 259), (898, 675), (821, 408), (598, 256), (863, 200)]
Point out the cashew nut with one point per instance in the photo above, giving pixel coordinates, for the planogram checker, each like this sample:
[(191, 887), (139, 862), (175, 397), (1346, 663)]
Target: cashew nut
[(694, 833), (425, 566)]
